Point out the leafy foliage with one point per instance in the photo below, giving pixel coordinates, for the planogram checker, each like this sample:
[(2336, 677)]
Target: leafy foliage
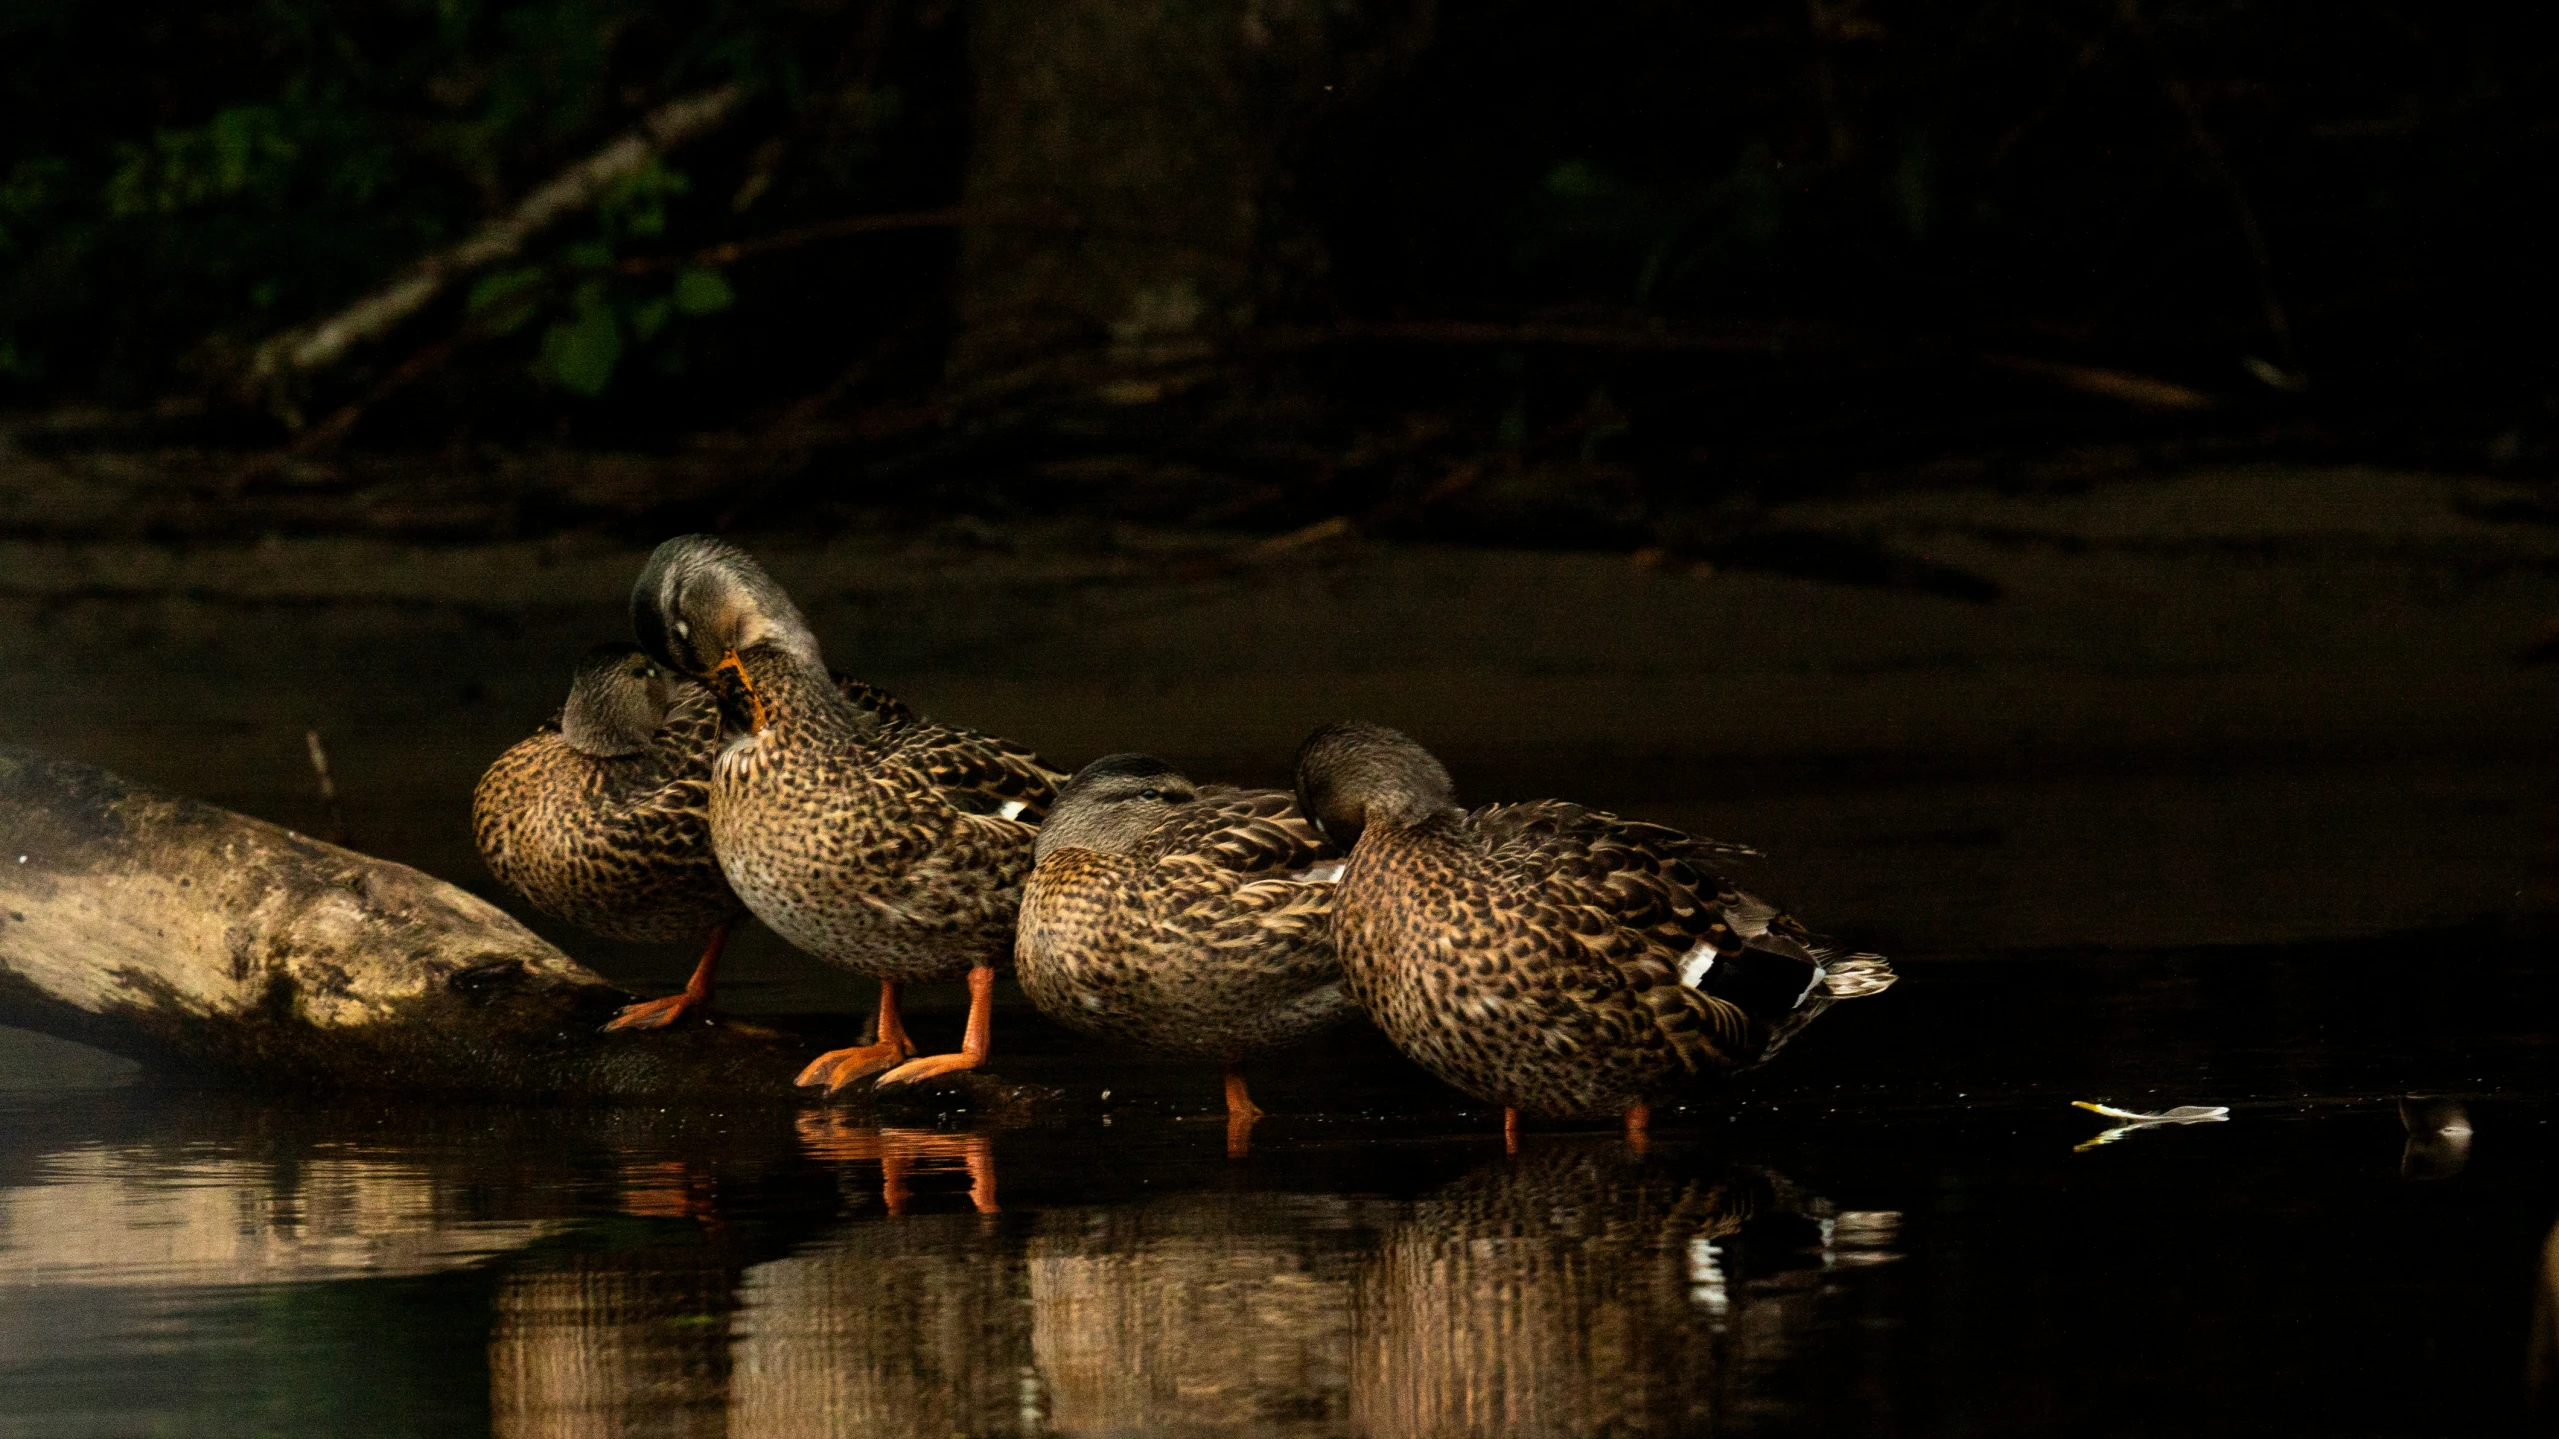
[(2207, 192), (177, 183)]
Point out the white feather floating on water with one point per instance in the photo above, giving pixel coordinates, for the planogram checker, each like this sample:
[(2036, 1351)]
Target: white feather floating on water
[(2182, 1114), (2132, 1119)]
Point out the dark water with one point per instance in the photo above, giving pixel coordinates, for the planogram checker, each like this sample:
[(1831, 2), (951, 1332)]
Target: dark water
[(1901, 1228)]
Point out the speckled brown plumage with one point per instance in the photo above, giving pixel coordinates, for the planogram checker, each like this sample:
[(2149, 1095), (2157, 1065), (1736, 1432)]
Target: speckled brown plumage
[(894, 850), (888, 846), (618, 844), (1196, 942), (1552, 958)]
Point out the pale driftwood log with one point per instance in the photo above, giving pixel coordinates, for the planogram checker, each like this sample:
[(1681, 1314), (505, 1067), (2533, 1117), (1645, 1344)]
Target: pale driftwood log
[(189, 937), (278, 361)]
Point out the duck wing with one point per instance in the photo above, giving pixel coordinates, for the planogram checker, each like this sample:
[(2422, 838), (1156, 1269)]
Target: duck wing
[(882, 709), (1726, 975), (1224, 883), (975, 774), (1248, 831)]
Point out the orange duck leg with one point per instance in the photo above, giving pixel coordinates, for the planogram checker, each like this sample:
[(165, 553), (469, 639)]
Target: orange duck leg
[(659, 1013), (839, 1067), (973, 1044)]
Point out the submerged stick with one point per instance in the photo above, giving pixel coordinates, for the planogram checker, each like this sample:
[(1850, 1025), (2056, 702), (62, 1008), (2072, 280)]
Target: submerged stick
[(192, 938), (328, 786)]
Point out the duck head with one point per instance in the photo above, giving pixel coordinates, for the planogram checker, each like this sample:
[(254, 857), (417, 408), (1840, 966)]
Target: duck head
[(1111, 803), (617, 699), (701, 600), (1351, 773)]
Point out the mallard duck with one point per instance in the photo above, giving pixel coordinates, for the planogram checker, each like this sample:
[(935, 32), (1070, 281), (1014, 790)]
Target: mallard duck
[(1188, 920), (599, 818), (1547, 957), (892, 848)]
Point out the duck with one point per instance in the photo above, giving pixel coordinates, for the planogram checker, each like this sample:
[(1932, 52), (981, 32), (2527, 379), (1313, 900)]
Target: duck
[(894, 848), (1550, 958), (1190, 920), (600, 817)]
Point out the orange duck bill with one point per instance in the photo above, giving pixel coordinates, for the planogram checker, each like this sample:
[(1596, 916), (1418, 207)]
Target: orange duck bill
[(731, 664)]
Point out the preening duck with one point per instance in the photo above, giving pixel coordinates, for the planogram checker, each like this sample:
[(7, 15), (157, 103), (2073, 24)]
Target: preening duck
[(1547, 957), (889, 846), (600, 816), (1189, 920)]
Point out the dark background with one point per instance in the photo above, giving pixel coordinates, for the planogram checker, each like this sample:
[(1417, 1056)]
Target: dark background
[(2071, 481), (1612, 276)]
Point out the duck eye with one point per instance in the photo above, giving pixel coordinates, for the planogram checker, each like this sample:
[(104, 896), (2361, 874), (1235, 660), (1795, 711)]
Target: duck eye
[(1150, 794)]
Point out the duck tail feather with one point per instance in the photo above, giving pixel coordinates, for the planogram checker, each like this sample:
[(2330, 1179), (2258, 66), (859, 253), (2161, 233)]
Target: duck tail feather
[(1856, 976)]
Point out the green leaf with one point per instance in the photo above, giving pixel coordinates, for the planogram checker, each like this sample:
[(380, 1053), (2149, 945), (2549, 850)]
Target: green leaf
[(702, 292), (507, 295), (1578, 182), (582, 353), (650, 316)]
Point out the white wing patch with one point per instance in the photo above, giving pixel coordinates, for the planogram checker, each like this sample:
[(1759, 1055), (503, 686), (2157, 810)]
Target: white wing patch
[(1694, 964), (1329, 872), (1013, 809), (1819, 974)]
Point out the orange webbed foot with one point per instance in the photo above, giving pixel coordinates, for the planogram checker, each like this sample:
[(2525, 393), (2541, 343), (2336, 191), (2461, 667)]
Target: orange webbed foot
[(659, 1013), (915, 1071), (696, 994), (837, 1068)]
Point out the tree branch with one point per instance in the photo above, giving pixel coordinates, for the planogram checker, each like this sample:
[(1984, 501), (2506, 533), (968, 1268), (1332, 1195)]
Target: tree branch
[(289, 355)]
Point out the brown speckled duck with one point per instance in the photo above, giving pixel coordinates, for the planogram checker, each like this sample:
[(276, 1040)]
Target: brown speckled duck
[(1188, 920), (896, 850), (1547, 957), (600, 817)]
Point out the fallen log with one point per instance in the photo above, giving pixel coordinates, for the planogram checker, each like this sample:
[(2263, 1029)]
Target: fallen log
[(195, 939)]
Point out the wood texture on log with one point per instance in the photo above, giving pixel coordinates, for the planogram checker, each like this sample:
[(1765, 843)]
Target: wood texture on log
[(190, 937)]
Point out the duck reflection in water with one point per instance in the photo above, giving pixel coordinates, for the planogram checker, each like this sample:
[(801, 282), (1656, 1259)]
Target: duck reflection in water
[(1578, 1290), (612, 1343), (1198, 1314), (880, 1330), (900, 1153)]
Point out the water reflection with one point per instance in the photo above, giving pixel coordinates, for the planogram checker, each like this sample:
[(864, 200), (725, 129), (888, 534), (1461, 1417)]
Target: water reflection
[(1578, 1290), (916, 1326), (718, 1277), (2438, 1144), (607, 1345), (170, 1215), (903, 1155), (1198, 1314), (2541, 1352)]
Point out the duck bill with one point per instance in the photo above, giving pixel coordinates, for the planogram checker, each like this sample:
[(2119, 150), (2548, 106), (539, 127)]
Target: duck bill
[(729, 663)]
